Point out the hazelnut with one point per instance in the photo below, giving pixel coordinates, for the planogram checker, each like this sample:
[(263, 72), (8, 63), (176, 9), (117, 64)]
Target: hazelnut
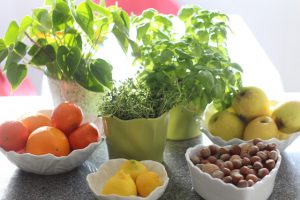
[(256, 140), (218, 174), (262, 155), (246, 161), (225, 157), (253, 150), (245, 148), (214, 149), (237, 163), (227, 179), (270, 164), (228, 164), (261, 146), (262, 172), (236, 177), (226, 171), (273, 155), (271, 146), (235, 171), (242, 184), (220, 163), (205, 152), (245, 155), (253, 159), (252, 177), (209, 168), (235, 150), (245, 170), (257, 165), (195, 159), (233, 157), (204, 161), (250, 182), (223, 150), (212, 159)]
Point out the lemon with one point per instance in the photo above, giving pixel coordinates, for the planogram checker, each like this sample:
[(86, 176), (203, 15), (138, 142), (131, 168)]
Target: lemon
[(120, 184), (147, 182), (133, 167)]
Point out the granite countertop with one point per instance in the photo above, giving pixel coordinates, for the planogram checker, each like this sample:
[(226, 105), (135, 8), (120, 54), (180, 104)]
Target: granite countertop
[(18, 185)]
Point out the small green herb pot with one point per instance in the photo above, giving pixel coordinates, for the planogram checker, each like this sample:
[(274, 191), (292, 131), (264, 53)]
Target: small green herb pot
[(184, 124), (139, 139)]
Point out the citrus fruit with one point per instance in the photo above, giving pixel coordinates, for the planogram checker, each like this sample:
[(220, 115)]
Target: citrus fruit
[(83, 136), (46, 140), (133, 167), (13, 135), (120, 184), (147, 182), (35, 120), (67, 117)]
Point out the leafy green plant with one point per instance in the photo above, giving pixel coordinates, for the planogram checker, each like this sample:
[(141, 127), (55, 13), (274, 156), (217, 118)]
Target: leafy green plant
[(192, 62), (61, 40), (133, 100)]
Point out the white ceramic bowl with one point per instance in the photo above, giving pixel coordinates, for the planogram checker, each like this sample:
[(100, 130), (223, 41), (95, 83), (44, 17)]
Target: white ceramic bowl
[(215, 189), (97, 180), (281, 144), (49, 164)]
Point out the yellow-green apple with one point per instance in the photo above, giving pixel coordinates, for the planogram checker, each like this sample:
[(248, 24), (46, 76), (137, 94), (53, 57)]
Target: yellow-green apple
[(287, 117), (251, 102), (226, 125), (283, 136), (262, 127)]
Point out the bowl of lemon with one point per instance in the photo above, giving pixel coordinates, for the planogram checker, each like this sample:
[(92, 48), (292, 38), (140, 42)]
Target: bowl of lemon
[(252, 115), (129, 179)]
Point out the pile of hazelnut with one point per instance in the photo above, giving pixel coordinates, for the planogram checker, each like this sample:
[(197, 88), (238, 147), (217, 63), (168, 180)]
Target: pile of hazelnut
[(242, 165)]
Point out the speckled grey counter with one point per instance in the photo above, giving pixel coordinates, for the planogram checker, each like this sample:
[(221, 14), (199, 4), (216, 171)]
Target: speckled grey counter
[(18, 185)]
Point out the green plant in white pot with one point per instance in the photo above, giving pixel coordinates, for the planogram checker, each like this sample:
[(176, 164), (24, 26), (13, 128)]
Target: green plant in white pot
[(136, 121), (186, 54), (61, 40)]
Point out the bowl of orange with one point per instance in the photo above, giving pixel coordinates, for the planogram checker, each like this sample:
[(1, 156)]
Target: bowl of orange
[(50, 142)]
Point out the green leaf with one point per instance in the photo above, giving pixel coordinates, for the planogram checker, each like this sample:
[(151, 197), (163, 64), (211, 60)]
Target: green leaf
[(26, 22), (53, 70), (68, 59), (3, 50), (164, 20), (49, 2), (121, 21), (43, 56), (136, 52), (121, 37), (100, 9), (34, 49), (185, 13), (149, 13), (206, 78), (16, 54), (41, 20), (142, 30), (61, 14), (236, 66), (84, 17), (15, 74), (11, 34), (102, 71)]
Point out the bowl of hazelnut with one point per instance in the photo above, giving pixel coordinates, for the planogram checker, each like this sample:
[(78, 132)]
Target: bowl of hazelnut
[(246, 171)]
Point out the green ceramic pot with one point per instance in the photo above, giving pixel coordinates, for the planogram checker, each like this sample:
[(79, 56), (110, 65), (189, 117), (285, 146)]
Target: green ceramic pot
[(139, 139), (184, 124)]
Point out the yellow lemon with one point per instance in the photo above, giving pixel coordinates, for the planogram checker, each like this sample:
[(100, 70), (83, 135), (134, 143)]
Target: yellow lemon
[(120, 184), (147, 182), (133, 167)]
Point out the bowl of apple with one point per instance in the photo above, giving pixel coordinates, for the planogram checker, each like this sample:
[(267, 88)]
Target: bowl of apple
[(50, 142), (252, 115)]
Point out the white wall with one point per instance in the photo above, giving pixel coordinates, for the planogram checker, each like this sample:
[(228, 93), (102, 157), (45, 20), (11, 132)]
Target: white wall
[(275, 24)]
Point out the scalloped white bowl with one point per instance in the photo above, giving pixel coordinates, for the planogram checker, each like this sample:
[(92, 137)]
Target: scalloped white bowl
[(97, 180), (281, 144), (49, 164), (215, 189)]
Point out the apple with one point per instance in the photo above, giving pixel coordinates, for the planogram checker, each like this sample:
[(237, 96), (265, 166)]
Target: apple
[(226, 125), (251, 102), (287, 117), (262, 127), (283, 136)]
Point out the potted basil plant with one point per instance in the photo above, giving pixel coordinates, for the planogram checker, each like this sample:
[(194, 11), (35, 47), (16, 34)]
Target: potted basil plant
[(61, 40), (192, 62), (136, 121)]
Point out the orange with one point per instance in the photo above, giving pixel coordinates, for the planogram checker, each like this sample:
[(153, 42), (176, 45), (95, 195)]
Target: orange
[(83, 136), (46, 140), (13, 135), (35, 120), (67, 117), (147, 182)]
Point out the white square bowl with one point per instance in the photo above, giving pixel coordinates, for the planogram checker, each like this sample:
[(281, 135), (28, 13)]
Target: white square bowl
[(215, 189), (49, 164), (97, 180)]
